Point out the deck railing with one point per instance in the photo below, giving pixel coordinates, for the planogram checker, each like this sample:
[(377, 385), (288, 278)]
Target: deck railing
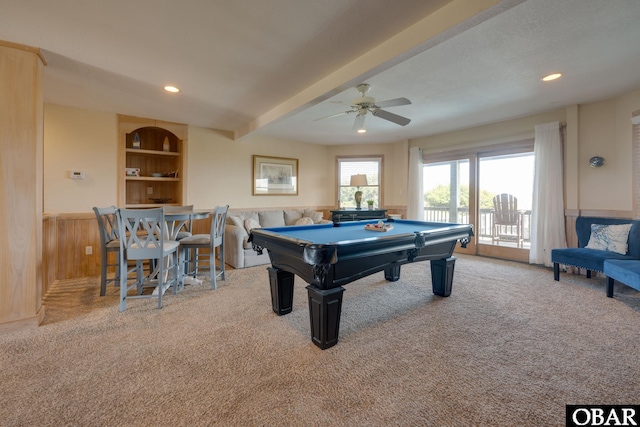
[(482, 229)]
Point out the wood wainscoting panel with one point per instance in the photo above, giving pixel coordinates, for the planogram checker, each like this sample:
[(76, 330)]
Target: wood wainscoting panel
[(570, 216), (201, 226), (49, 251), (21, 163), (76, 232)]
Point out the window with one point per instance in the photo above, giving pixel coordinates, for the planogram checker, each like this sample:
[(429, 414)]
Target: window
[(446, 191), (460, 186), (369, 166), (510, 174)]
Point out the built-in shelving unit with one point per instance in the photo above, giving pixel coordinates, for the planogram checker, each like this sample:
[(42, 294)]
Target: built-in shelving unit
[(159, 162)]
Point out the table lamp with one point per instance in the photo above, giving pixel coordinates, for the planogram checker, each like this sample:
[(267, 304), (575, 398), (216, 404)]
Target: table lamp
[(358, 181)]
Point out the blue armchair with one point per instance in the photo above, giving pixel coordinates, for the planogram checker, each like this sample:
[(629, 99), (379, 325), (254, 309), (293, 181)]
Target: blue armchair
[(593, 259)]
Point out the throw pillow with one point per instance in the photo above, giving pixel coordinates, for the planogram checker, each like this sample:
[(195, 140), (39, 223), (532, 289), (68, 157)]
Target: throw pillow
[(304, 221), (235, 220), (271, 218), (250, 224), (291, 216), (612, 238), (315, 216)]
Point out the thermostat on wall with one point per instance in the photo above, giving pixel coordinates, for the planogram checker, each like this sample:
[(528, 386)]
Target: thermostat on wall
[(76, 174)]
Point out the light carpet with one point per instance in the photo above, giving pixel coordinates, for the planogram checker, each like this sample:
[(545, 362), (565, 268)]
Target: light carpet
[(509, 347)]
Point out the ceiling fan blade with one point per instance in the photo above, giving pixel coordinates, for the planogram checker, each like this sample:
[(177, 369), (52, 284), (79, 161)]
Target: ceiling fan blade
[(399, 120), (393, 102), (358, 123), (335, 115)]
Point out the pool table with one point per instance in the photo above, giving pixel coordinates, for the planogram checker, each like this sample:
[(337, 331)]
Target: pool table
[(328, 256)]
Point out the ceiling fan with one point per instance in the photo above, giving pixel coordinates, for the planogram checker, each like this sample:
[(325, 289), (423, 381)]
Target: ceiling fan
[(365, 104)]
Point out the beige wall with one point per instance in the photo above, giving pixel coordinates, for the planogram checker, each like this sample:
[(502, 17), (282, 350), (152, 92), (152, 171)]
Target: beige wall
[(220, 169), (507, 131), (599, 128), (605, 129), (76, 139)]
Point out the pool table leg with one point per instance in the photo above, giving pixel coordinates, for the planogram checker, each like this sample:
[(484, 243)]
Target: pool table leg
[(281, 283), (392, 274), (325, 307), (442, 275)]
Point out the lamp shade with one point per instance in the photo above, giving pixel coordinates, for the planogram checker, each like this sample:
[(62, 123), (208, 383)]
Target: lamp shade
[(358, 180)]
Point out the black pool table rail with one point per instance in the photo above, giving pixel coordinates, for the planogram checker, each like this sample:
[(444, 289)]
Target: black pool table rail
[(326, 267), (329, 265)]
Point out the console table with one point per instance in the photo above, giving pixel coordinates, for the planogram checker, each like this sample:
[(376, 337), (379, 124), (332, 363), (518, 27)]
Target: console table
[(342, 215)]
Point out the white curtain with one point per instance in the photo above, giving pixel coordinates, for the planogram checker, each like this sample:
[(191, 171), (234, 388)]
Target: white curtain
[(547, 213), (415, 192)]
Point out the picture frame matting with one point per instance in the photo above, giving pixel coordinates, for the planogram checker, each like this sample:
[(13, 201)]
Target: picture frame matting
[(275, 176)]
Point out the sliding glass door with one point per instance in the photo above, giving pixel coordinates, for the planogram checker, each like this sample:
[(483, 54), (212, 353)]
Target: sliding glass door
[(492, 189), (448, 195), (505, 186)]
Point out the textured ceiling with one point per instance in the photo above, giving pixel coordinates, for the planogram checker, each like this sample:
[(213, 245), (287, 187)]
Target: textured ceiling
[(273, 67)]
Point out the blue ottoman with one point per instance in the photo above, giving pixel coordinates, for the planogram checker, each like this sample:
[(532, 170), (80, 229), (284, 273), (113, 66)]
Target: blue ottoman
[(624, 271)]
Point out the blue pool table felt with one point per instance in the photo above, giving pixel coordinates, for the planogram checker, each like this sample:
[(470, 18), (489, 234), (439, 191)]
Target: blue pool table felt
[(328, 233)]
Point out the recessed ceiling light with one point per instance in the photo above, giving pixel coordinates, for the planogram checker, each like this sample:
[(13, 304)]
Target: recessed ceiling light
[(362, 131), (171, 89), (550, 77)]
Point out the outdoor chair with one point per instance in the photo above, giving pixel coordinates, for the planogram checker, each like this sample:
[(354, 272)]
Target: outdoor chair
[(507, 220)]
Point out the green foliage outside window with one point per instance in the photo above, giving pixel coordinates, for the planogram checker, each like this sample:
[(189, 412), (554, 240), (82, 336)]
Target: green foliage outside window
[(440, 197), (369, 166)]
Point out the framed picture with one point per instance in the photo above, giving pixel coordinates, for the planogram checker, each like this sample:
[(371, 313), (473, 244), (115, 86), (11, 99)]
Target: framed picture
[(275, 176)]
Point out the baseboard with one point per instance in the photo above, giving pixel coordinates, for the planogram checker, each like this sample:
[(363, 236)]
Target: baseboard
[(23, 324)]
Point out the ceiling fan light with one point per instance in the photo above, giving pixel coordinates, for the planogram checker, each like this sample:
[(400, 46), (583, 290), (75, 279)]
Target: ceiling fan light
[(550, 77), (367, 104)]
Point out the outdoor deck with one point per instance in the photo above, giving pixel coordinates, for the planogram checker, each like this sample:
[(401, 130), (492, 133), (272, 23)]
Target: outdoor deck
[(484, 226)]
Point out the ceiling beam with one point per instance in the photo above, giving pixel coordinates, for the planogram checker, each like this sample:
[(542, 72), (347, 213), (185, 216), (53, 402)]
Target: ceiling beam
[(453, 18)]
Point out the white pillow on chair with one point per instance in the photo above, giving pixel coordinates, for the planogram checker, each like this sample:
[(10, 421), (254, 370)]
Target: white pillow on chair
[(612, 238)]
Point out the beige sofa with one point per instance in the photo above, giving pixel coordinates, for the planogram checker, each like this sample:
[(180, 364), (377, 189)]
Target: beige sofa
[(238, 252)]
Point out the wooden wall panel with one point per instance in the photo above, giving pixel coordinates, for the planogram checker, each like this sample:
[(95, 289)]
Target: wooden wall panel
[(75, 233), (21, 162), (571, 215), (88, 235), (570, 231), (49, 252), (201, 226)]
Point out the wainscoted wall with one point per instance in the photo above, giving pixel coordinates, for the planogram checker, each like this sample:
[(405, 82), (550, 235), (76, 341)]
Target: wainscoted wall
[(76, 232), (21, 162), (66, 237), (49, 251), (570, 216)]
